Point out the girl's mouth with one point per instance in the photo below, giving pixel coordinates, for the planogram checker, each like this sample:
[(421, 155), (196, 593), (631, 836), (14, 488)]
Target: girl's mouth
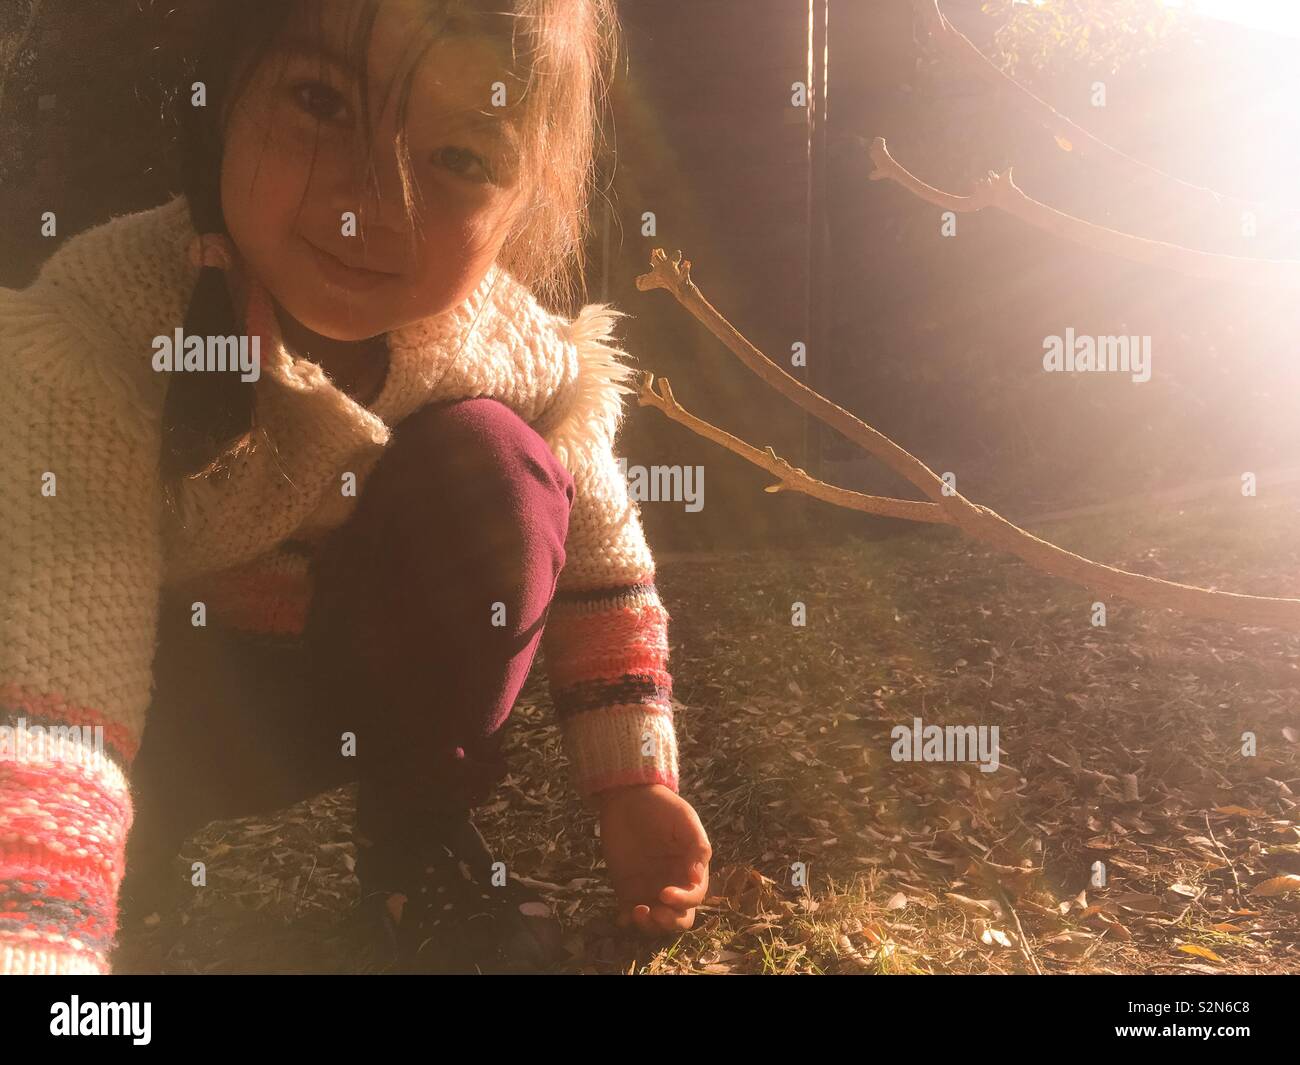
[(342, 275)]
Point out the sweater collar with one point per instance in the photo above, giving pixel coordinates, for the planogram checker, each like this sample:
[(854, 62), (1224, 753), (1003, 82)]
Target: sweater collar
[(422, 353)]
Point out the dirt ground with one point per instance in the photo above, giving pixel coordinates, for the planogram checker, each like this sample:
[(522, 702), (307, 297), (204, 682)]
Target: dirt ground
[(1120, 744)]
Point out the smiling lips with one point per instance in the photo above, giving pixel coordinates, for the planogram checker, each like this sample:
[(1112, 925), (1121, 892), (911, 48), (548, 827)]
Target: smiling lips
[(338, 272)]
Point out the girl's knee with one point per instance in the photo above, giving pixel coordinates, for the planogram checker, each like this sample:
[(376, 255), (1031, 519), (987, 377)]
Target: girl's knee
[(465, 490), (477, 448)]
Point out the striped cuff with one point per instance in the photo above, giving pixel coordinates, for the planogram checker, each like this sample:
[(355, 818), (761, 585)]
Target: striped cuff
[(607, 656), (37, 959), (65, 810), (621, 745)]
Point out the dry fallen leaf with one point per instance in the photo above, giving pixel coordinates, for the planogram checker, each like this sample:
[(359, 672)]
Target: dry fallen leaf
[(1139, 901), (1278, 885), (1098, 916), (876, 933), (1016, 880), (990, 936), (1070, 944), (1200, 952), (975, 907), (1239, 811)]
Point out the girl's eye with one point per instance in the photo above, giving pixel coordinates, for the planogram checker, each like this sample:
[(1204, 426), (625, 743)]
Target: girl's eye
[(321, 101), (464, 163)]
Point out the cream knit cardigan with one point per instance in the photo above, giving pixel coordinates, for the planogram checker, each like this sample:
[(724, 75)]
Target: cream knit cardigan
[(88, 542)]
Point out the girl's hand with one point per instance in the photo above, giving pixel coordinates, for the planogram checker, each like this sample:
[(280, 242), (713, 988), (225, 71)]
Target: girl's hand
[(657, 854)]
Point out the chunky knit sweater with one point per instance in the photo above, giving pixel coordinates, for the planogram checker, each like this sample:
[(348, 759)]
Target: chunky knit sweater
[(91, 537)]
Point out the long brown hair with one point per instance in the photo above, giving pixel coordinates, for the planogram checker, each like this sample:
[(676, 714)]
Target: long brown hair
[(563, 50)]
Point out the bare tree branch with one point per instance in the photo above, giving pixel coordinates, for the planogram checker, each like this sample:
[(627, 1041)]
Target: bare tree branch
[(980, 523), (1071, 136), (14, 48), (1001, 192), (792, 478)]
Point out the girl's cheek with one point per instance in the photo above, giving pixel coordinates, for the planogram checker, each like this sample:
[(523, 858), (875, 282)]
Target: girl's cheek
[(279, 167), (471, 228)]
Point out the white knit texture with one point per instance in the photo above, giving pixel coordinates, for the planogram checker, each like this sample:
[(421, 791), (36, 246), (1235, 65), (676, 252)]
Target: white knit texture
[(82, 571)]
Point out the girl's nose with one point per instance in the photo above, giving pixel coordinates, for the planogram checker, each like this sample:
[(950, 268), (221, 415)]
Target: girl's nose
[(373, 191)]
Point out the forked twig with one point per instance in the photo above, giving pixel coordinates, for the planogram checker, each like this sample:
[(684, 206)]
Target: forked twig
[(1069, 135), (1001, 192), (978, 522), (792, 478)]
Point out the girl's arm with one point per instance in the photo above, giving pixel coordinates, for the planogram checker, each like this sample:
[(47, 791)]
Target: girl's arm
[(80, 573), (606, 637), (261, 489)]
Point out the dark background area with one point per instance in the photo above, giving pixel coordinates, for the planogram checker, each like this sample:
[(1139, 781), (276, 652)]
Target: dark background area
[(935, 341)]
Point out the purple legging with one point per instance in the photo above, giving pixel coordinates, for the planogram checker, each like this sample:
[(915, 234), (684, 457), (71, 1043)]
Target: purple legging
[(428, 610)]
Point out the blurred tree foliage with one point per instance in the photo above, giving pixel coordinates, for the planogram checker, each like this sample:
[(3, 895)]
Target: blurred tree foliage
[(18, 32), (17, 39), (1041, 38)]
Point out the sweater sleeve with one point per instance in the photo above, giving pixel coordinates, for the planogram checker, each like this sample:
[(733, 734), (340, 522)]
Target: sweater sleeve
[(308, 434), (606, 637), (80, 572)]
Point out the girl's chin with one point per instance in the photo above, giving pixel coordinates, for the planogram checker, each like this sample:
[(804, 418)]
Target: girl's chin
[(347, 318), (333, 322)]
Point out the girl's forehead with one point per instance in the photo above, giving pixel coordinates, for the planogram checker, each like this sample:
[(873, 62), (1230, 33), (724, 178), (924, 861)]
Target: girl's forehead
[(450, 72), (401, 30)]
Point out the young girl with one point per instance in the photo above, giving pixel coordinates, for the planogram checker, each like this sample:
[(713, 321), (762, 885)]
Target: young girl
[(337, 560)]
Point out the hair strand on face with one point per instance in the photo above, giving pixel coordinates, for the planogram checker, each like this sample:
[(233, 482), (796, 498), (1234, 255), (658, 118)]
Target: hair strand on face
[(559, 56)]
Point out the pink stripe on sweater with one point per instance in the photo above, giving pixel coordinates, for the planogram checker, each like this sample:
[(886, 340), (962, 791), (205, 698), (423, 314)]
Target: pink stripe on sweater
[(606, 644), (23, 699), (648, 775)]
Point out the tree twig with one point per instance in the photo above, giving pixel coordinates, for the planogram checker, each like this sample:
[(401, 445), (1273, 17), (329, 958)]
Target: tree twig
[(1232, 868), (1070, 135), (980, 523), (1001, 192), (792, 478), (1004, 900)]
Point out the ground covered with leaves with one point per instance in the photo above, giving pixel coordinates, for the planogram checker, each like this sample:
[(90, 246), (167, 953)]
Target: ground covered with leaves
[(1120, 744)]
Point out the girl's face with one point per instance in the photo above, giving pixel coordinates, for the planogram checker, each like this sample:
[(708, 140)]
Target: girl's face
[(294, 174)]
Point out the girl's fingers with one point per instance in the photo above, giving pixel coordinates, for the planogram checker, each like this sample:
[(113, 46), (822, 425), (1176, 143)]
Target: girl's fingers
[(656, 920), (677, 899), (674, 909), (671, 920), (684, 898)]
